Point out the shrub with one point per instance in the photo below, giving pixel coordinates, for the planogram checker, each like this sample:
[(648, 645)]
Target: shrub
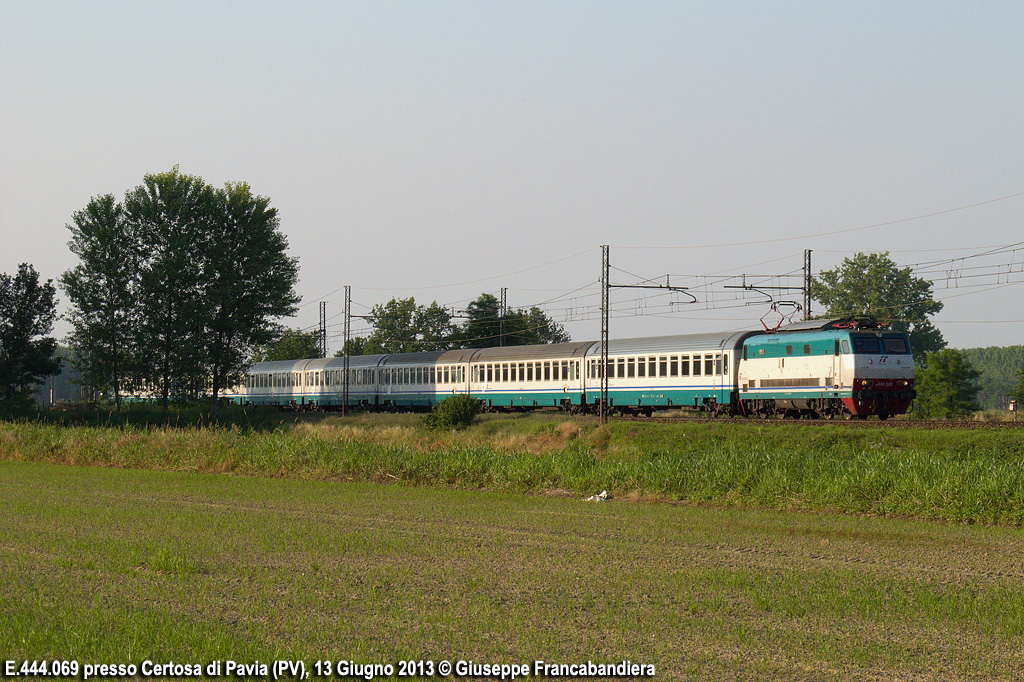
[(455, 412)]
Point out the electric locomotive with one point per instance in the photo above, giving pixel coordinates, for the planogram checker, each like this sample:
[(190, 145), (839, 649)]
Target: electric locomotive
[(827, 368)]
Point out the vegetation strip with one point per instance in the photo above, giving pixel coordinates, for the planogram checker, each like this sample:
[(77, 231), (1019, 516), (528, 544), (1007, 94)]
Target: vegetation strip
[(954, 476)]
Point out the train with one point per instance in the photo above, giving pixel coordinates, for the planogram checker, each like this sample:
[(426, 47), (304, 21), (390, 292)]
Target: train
[(835, 368)]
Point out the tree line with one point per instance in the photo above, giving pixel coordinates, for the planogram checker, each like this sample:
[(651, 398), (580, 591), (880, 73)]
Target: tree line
[(403, 326)]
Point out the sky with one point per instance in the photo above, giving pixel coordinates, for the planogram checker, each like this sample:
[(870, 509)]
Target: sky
[(441, 150)]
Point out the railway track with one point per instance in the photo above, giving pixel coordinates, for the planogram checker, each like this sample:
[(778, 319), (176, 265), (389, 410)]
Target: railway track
[(853, 423)]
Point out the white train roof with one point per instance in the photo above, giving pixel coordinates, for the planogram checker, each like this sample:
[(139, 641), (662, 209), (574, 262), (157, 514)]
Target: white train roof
[(675, 344)]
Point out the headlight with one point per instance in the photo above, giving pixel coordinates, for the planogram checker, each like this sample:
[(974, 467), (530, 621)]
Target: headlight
[(866, 383)]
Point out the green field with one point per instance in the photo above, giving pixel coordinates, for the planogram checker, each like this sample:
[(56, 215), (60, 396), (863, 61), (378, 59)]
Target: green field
[(119, 566), (727, 551)]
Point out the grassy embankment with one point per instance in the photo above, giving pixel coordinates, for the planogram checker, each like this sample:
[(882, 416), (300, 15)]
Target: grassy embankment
[(962, 476)]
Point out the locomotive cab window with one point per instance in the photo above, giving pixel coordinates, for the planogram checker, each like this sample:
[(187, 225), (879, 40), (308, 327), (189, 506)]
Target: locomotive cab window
[(866, 344), (895, 344)]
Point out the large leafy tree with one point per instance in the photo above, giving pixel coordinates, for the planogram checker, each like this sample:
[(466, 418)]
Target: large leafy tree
[(173, 215), (291, 344), (484, 328), (204, 273), (103, 290), (247, 281), (872, 284), (27, 312), (947, 385), (401, 326)]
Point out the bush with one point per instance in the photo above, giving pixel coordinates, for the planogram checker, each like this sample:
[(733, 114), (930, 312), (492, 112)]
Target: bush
[(456, 412)]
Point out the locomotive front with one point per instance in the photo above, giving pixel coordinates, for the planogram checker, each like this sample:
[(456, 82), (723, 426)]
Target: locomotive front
[(878, 367)]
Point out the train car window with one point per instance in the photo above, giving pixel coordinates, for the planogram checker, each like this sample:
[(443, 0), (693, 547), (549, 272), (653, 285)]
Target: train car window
[(652, 366), (547, 371), (807, 349), (630, 368), (696, 365), (529, 371), (565, 370), (673, 366), (725, 365), (709, 364), (684, 365), (504, 371), (789, 350), (663, 366), (641, 367), (621, 372), (718, 364), (444, 380), (490, 372), (895, 345)]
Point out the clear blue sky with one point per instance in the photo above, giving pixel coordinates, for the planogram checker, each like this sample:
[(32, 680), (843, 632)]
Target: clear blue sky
[(410, 146)]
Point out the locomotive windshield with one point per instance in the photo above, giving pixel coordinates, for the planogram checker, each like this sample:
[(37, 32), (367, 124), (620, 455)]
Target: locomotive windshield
[(880, 344)]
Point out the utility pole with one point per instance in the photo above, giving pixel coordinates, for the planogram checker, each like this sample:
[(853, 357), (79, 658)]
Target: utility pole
[(502, 313), (606, 287), (345, 349), (602, 370), (322, 339), (807, 284)]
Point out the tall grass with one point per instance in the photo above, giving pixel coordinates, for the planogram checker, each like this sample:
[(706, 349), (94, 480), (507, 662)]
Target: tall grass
[(950, 475)]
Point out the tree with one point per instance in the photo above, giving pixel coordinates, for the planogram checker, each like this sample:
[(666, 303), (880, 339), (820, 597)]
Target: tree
[(172, 214), (27, 312), (401, 326), (872, 284), (291, 344), (357, 345), (204, 272), (533, 326), (1018, 392), (947, 385), (483, 327), (103, 290), (247, 281)]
